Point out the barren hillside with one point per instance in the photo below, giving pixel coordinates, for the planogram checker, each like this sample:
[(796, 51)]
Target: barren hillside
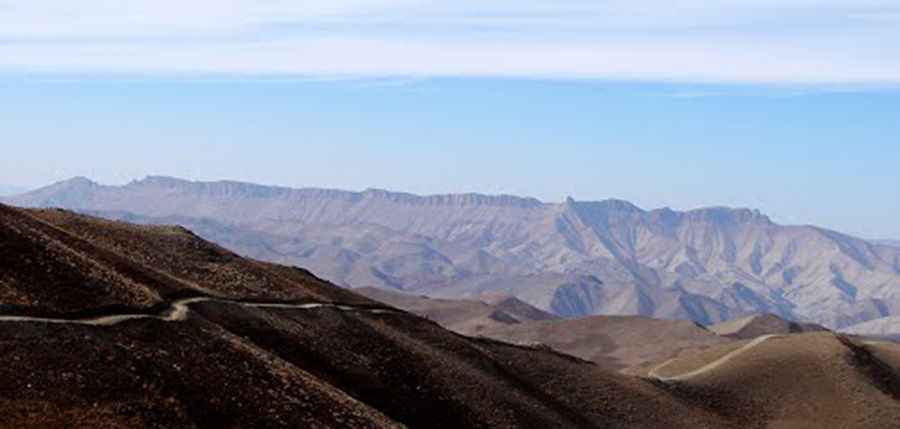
[(107, 324), (112, 325)]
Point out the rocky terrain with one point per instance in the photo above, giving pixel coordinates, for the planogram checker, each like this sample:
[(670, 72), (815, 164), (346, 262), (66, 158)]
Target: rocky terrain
[(572, 259), (112, 325)]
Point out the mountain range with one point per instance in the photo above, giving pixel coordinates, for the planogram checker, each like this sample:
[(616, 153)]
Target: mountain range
[(572, 259)]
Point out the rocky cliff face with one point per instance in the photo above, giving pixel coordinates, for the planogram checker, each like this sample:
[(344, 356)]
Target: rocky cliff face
[(574, 258)]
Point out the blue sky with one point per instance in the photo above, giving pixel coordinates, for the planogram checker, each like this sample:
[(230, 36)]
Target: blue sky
[(789, 107)]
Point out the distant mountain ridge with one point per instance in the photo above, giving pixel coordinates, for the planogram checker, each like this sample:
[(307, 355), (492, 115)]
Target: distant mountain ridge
[(573, 258)]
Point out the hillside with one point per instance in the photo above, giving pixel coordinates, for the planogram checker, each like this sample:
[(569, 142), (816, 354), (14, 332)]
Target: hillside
[(798, 379), (112, 325), (757, 325), (626, 344), (467, 317), (107, 324), (617, 343), (572, 259)]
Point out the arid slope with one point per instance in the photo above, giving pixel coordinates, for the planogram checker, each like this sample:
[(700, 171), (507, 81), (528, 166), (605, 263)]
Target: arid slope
[(797, 381), (326, 358), (761, 324), (613, 342)]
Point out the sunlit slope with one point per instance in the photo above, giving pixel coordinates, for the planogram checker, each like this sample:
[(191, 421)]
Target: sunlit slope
[(795, 381)]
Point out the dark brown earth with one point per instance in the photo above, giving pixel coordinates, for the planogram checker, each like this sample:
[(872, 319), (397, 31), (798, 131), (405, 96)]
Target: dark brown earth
[(363, 364)]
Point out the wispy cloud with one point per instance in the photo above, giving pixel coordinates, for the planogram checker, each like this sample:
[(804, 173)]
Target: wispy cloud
[(762, 41)]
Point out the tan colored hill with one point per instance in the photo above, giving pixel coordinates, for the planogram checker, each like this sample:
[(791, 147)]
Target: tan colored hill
[(626, 344), (805, 380), (613, 342), (111, 325), (756, 325), (620, 343), (464, 316)]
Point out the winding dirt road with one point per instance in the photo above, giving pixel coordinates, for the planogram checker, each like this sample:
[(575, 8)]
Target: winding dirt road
[(179, 310), (654, 373)]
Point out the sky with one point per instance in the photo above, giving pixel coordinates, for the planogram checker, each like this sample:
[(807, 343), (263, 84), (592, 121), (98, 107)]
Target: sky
[(791, 107)]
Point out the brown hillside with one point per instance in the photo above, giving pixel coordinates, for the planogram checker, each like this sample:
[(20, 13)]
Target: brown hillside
[(96, 334), (820, 380), (614, 342)]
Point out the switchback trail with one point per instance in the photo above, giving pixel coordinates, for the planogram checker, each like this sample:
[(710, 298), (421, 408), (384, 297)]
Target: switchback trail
[(654, 373), (179, 310)]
